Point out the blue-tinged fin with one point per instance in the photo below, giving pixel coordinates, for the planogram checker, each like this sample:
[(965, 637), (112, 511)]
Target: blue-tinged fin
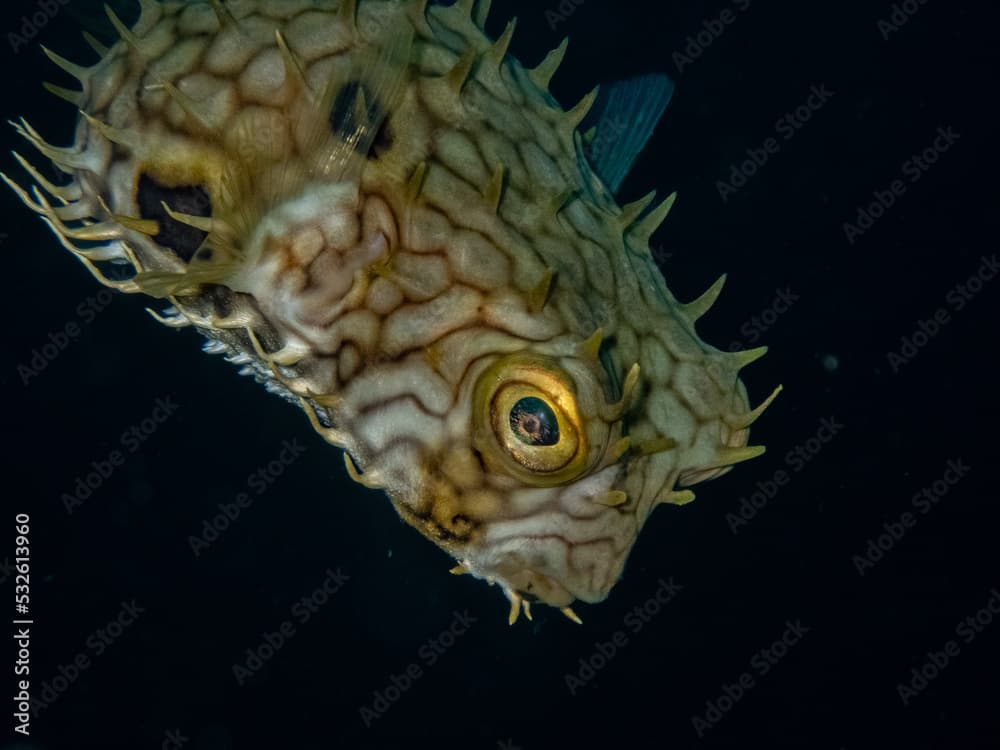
[(620, 124)]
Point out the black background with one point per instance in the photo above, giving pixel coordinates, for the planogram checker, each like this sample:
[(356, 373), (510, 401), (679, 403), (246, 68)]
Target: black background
[(499, 686)]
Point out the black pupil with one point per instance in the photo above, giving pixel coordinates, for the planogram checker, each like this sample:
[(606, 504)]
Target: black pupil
[(183, 239), (534, 423)]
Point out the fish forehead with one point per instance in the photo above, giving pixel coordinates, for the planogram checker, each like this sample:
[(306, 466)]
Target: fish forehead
[(376, 292)]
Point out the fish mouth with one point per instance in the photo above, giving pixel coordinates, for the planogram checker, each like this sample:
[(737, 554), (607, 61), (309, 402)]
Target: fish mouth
[(533, 586), (522, 583), (527, 587)]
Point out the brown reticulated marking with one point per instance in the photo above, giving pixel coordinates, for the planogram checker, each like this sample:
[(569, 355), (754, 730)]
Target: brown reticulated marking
[(420, 277), (477, 262), (229, 52), (180, 60), (262, 131), (160, 39), (497, 148), (542, 130), (349, 362), (411, 378), (542, 168), (507, 310), (264, 80), (205, 87), (213, 111), (359, 326), (627, 343), (427, 229), (284, 9), (670, 417), (448, 192), (401, 419), (108, 86), (383, 296), (197, 18), (498, 113), (660, 365), (458, 153), (417, 326), (599, 273), (312, 36), (701, 396), (454, 353)]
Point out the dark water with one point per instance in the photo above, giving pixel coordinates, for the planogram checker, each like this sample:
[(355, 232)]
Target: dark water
[(856, 439)]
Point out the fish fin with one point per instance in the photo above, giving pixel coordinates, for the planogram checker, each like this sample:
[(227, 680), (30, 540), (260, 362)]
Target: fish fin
[(622, 121), (357, 102)]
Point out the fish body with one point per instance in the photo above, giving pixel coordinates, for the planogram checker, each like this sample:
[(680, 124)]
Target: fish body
[(385, 218)]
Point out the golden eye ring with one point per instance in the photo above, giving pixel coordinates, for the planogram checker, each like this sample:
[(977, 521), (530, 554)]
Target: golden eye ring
[(527, 423)]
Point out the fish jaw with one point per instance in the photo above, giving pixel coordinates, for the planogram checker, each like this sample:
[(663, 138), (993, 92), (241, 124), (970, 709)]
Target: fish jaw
[(570, 546)]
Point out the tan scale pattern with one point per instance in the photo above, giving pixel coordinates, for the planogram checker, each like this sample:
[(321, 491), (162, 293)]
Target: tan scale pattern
[(397, 274)]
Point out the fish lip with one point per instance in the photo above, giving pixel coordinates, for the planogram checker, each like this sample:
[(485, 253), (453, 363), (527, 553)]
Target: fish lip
[(520, 580), (509, 561)]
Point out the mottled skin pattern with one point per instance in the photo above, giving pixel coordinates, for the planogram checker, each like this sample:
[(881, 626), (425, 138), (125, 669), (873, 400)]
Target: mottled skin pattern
[(407, 268)]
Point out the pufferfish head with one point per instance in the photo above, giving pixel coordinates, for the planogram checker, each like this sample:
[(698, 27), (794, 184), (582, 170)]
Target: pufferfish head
[(385, 218)]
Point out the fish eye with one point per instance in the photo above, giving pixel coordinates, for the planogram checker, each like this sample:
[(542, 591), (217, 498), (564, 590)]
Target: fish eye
[(533, 422), (527, 421)]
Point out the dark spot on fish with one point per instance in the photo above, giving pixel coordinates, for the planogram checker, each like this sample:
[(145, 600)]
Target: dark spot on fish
[(481, 460), (347, 119), (183, 239)]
